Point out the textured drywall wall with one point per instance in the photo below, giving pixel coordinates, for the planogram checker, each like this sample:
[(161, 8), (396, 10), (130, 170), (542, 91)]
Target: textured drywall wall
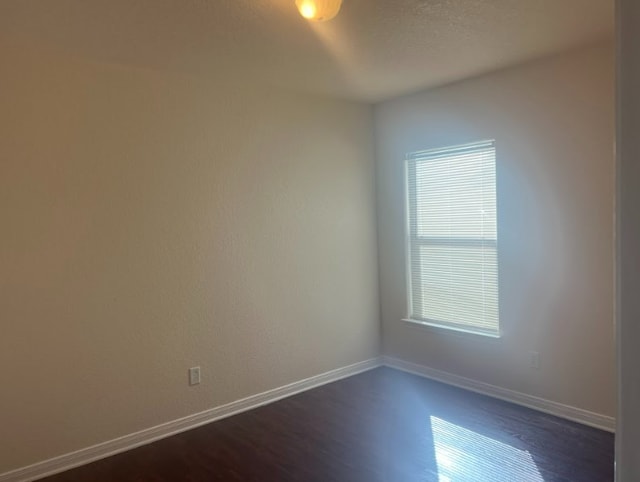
[(628, 242), (152, 222), (553, 125)]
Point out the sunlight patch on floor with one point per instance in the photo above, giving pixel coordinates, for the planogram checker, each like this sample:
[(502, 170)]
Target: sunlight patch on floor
[(464, 455)]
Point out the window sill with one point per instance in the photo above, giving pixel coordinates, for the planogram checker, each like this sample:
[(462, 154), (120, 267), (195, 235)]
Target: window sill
[(452, 330)]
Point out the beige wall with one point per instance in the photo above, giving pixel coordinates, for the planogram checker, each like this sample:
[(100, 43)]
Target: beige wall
[(152, 222), (553, 124)]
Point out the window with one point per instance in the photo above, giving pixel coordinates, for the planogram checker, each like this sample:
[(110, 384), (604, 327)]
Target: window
[(452, 246)]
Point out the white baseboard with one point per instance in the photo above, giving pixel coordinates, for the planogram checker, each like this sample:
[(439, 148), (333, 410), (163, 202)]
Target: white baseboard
[(574, 414), (143, 437), (128, 442)]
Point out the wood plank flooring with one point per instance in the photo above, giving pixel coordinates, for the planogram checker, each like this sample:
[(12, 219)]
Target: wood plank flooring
[(382, 425)]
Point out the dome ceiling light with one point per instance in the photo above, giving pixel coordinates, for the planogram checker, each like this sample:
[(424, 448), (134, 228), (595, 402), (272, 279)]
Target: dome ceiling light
[(318, 10)]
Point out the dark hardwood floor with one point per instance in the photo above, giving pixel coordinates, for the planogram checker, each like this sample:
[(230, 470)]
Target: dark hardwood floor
[(382, 425)]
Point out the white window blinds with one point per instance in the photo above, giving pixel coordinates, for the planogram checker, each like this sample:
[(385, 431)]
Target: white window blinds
[(452, 237)]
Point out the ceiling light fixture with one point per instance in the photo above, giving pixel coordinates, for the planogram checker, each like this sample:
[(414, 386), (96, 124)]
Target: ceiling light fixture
[(318, 10)]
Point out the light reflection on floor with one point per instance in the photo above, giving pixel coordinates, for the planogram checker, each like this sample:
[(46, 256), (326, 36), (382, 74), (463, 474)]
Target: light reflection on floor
[(463, 455)]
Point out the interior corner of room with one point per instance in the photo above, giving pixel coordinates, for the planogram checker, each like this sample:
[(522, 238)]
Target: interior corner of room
[(175, 196)]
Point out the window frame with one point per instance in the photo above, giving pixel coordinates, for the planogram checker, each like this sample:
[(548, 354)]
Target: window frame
[(436, 325)]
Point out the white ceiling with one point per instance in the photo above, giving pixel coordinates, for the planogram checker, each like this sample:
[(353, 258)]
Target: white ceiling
[(373, 50)]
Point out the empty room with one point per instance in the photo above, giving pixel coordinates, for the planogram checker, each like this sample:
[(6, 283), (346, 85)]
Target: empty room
[(319, 240)]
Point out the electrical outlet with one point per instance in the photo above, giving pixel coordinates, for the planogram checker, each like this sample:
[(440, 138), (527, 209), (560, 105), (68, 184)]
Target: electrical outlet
[(534, 360), (194, 376)]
